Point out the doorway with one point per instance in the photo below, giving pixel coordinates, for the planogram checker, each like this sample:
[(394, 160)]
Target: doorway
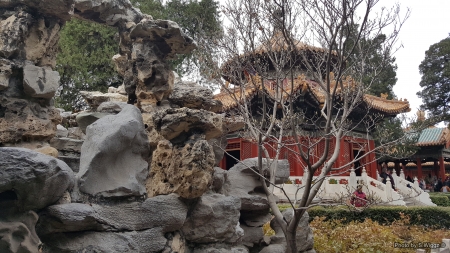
[(357, 165), (232, 157)]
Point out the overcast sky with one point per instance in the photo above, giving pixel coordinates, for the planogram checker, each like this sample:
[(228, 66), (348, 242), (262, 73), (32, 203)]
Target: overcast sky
[(428, 23)]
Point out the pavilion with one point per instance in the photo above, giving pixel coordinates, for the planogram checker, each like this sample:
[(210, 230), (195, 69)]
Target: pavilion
[(309, 98)]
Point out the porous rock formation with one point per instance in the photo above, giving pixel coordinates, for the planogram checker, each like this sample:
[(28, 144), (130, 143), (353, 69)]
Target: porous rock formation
[(145, 180)]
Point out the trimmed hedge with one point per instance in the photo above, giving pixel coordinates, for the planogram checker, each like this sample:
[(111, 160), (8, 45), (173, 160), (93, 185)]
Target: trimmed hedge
[(440, 200), (435, 217)]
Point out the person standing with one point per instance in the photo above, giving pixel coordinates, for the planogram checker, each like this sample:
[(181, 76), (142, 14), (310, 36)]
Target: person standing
[(359, 198)]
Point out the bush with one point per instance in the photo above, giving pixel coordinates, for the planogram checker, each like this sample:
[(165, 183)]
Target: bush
[(440, 200), (370, 236), (435, 217)]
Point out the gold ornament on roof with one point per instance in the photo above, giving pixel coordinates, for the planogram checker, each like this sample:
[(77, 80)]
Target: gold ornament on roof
[(384, 95)]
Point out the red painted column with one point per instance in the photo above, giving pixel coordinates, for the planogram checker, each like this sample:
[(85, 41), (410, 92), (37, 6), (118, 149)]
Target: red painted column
[(441, 168), (372, 161), (419, 168)]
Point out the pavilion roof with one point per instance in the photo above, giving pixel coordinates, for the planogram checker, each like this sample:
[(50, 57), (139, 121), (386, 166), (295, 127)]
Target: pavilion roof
[(433, 137), (233, 97)]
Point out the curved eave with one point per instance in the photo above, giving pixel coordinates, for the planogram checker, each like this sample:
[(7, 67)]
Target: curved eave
[(390, 107)]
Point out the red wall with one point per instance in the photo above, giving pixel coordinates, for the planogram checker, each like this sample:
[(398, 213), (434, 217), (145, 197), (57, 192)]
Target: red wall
[(249, 149)]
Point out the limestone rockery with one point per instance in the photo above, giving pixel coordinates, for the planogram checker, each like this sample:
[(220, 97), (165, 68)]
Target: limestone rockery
[(135, 173)]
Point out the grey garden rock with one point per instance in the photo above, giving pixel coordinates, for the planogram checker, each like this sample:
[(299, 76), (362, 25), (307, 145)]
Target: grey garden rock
[(174, 123), (220, 248), (167, 212), (150, 240), (67, 145), (194, 96), (32, 180), (274, 248), (244, 183), (111, 107), (61, 131), (17, 233), (252, 235), (40, 82), (114, 156), (84, 119), (213, 219), (107, 11), (60, 8), (304, 235), (166, 35)]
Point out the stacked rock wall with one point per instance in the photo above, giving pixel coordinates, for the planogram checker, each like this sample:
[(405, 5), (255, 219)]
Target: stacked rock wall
[(141, 175)]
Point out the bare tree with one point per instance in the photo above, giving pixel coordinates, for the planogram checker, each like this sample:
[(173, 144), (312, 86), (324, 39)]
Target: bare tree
[(305, 60)]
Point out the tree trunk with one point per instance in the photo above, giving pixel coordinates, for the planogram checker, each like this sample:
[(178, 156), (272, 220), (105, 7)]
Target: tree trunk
[(291, 244)]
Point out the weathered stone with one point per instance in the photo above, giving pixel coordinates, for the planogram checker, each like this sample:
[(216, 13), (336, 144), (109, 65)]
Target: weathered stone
[(25, 37), (84, 119), (76, 133), (154, 137), (242, 182), (177, 124), (17, 233), (184, 170), (166, 35), (150, 240), (252, 235), (219, 179), (62, 9), (220, 248), (61, 131), (166, 212), (114, 155), (25, 120), (154, 75), (233, 124), (219, 145), (67, 145), (95, 98), (40, 82), (111, 107), (255, 219), (274, 248), (107, 11), (5, 73), (47, 150), (213, 219), (30, 180), (194, 96)]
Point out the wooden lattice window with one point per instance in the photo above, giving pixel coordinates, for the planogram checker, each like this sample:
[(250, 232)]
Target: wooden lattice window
[(246, 150), (233, 146)]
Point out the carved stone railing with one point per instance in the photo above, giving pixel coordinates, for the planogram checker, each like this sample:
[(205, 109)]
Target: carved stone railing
[(335, 186), (413, 192)]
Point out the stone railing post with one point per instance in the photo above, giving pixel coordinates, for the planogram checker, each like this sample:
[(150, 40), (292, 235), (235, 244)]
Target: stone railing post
[(396, 179), (364, 176), (388, 189), (352, 180), (416, 183), (402, 174)]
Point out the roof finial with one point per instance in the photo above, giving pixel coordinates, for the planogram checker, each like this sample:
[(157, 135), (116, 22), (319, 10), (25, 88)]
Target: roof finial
[(420, 115)]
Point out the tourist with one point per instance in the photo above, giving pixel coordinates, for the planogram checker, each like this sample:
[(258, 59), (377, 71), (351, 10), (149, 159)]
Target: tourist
[(438, 185), (359, 198), (445, 189), (389, 175), (383, 174)]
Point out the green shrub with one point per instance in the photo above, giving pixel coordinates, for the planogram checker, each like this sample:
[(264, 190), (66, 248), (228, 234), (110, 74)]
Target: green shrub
[(440, 200), (436, 217)]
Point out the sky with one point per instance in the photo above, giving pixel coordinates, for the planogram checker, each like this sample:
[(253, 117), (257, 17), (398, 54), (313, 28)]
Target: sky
[(428, 24)]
